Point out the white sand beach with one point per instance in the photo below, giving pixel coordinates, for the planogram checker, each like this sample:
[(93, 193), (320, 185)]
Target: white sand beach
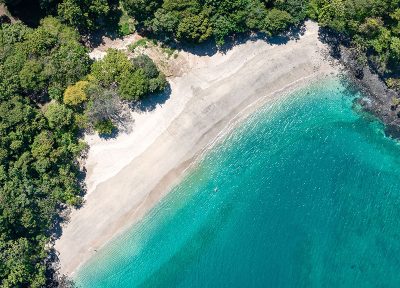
[(128, 175)]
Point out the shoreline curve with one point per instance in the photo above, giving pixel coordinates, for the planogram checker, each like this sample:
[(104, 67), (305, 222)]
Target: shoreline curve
[(129, 175)]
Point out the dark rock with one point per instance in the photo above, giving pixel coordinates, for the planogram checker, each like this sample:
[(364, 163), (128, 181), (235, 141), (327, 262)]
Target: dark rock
[(379, 96), (4, 19)]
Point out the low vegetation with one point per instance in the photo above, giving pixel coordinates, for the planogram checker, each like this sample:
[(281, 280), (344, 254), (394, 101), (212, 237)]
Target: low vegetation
[(139, 43)]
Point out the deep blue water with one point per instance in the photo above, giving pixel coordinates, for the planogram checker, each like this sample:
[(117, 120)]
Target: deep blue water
[(305, 193)]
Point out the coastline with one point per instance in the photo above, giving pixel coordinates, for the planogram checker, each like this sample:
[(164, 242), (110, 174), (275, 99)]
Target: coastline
[(128, 175), (379, 97), (379, 100)]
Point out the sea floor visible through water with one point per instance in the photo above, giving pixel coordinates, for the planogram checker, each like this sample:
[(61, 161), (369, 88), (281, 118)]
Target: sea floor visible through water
[(303, 193)]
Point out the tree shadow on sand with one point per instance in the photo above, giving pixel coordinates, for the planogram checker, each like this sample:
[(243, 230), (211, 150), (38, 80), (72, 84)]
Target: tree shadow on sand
[(113, 135), (123, 119), (333, 40), (54, 278), (152, 101), (110, 29), (210, 48)]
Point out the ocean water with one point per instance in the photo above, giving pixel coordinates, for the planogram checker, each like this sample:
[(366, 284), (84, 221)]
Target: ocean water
[(304, 193)]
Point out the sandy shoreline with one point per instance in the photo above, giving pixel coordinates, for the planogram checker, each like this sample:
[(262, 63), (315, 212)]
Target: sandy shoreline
[(128, 175)]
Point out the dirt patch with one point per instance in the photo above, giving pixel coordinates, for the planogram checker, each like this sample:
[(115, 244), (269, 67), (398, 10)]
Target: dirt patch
[(171, 62)]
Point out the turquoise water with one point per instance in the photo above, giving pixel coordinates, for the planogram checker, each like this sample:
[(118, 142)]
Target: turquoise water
[(305, 193)]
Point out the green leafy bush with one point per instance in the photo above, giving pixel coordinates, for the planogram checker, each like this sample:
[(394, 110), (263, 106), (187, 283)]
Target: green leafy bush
[(104, 127), (134, 78)]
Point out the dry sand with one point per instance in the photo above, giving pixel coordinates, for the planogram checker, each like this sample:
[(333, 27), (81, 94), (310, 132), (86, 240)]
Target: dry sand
[(128, 175)]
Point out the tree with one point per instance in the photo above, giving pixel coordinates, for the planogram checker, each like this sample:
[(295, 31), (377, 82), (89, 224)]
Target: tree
[(104, 127), (199, 20), (41, 41), (277, 21), (76, 94), (43, 62), (157, 84), (164, 22), (133, 86), (42, 145), (395, 49), (71, 13), (256, 14), (194, 28), (108, 70), (141, 9), (371, 27), (296, 8), (37, 174), (31, 77), (20, 263), (83, 14), (38, 144), (103, 104), (134, 78), (58, 116), (145, 63), (13, 33), (222, 27), (66, 65), (333, 15)]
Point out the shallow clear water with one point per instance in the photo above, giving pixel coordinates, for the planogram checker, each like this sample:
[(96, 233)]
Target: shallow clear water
[(305, 193)]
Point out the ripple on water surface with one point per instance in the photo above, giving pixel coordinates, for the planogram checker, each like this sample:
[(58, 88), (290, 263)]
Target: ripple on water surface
[(304, 193)]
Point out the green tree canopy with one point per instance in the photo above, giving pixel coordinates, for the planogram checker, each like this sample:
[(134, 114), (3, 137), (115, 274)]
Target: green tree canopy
[(134, 78), (108, 70), (84, 14), (58, 116), (76, 94)]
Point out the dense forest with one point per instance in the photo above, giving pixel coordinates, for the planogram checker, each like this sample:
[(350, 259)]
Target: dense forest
[(372, 26), (51, 92)]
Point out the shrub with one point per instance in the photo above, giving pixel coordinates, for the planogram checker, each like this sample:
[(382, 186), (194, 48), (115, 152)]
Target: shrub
[(140, 43), (104, 127), (133, 86)]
